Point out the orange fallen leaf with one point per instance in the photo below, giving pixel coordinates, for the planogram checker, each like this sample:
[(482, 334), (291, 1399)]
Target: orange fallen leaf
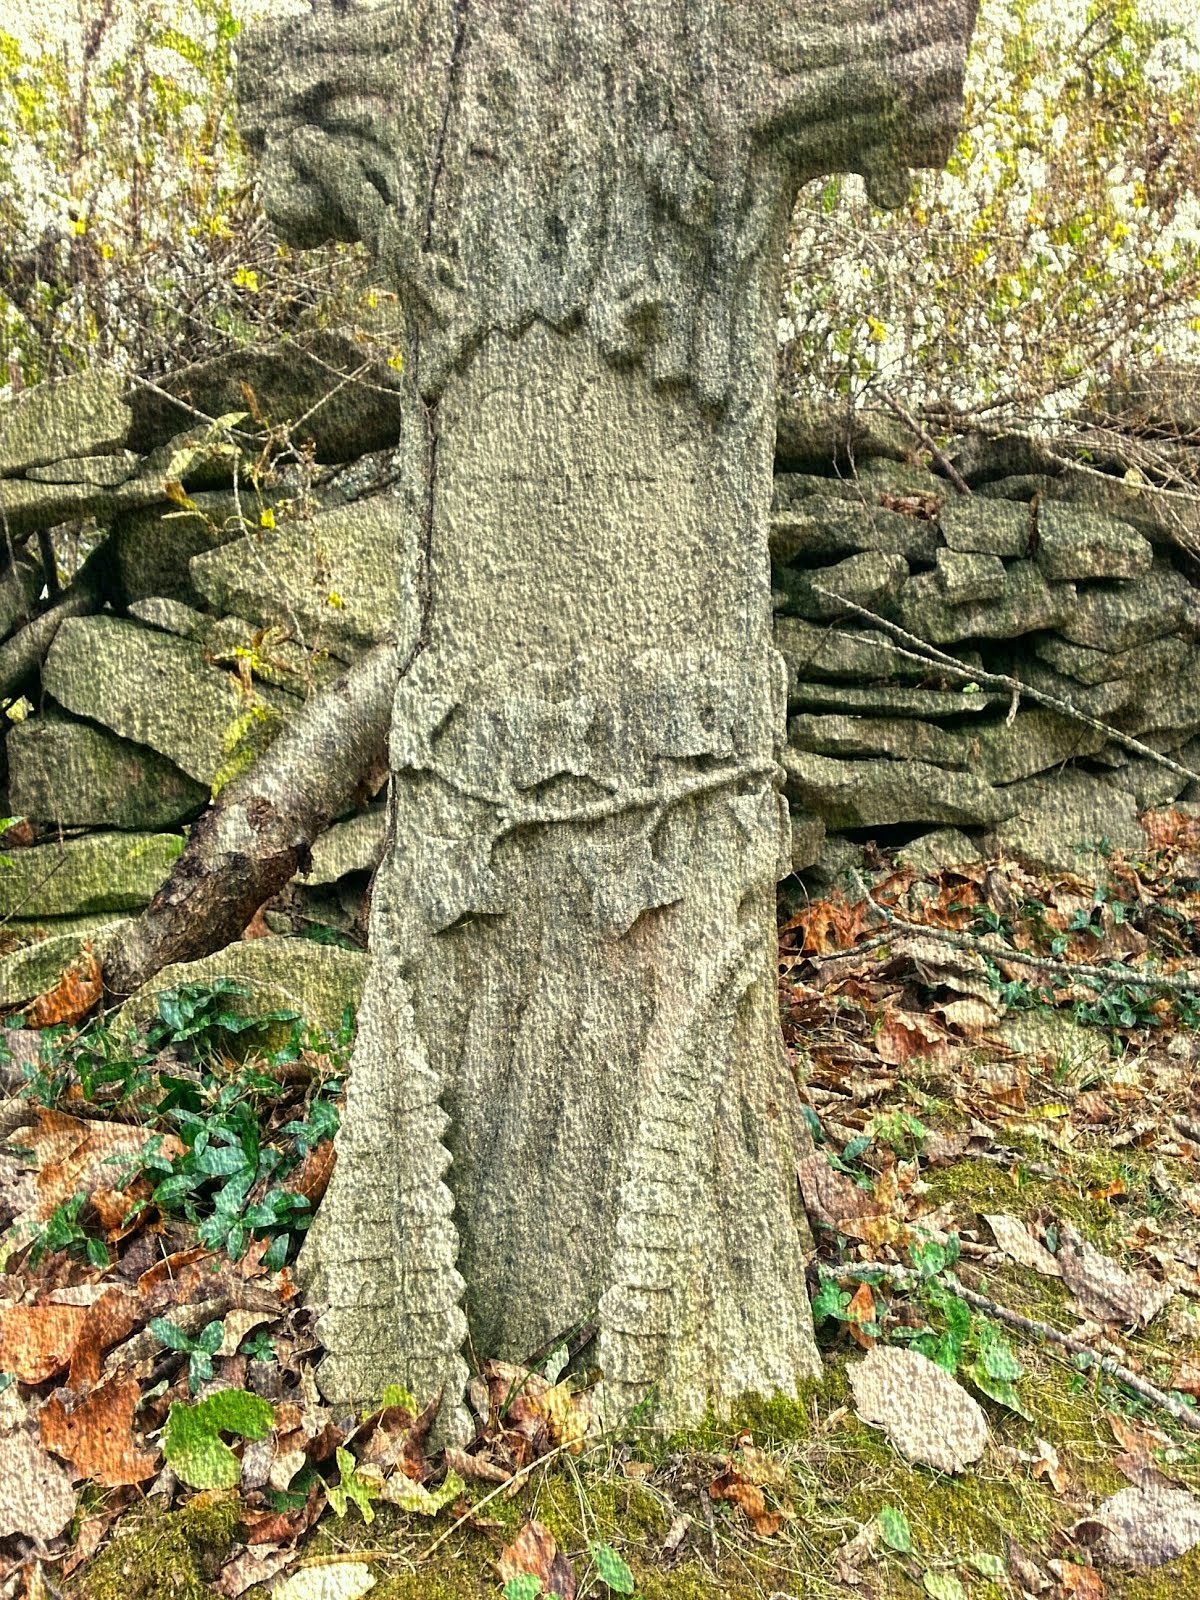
[(1048, 1466), (36, 1341), (861, 1309), (96, 1434), (311, 1177), (72, 997), (534, 1552), (76, 1157), (748, 1497), (905, 1034), (116, 1314)]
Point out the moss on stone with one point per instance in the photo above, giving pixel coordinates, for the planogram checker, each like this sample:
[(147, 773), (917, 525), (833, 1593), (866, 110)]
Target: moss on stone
[(165, 1555)]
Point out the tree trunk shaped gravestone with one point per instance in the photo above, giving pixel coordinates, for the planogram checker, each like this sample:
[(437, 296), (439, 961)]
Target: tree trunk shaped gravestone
[(569, 1098)]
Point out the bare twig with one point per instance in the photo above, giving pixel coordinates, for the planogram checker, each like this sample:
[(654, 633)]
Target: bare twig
[(1185, 1414), (929, 654), (943, 461)]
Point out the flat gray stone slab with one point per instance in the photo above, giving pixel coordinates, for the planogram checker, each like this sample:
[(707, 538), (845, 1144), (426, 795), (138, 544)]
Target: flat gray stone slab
[(84, 414), (151, 688), (316, 980), (82, 776), (37, 965), (354, 845), (93, 873), (966, 577), (1074, 543), (1069, 822), (986, 527), (1027, 605), (1120, 616), (840, 651), (892, 700), (1090, 667), (868, 794)]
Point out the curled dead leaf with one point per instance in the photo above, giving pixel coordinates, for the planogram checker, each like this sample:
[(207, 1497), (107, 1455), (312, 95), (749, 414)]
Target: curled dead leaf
[(748, 1497), (95, 1434), (535, 1552)]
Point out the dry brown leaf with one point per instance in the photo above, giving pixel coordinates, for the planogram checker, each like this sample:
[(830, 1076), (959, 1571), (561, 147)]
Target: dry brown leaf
[(311, 1177), (748, 1497), (75, 1157), (833, 1198), (925, 1413), (36, 1341), (534, 1551), (861, 1309), (1141, 1528), (1187, 1376), (1015, 1239), (468, 1466), (1047, 1465), (903, 1035), (1104, 1291), (251, 1567), (72, 997), (96, 1434), (1078, 1583), (36, 1496)]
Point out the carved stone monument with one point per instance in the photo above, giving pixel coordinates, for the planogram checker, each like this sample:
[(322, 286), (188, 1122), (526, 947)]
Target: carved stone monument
[(569, 1098)]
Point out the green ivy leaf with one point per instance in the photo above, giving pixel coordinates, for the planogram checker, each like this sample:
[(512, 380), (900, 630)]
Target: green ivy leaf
[(894, 1529), (943, 1586), (523, 1587), (191, 1441), (611, 1569), (169, 1335), (351, 1487), (987, 1564)]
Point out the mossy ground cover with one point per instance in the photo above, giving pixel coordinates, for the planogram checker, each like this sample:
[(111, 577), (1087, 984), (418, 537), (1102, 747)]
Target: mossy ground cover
[(1093, 1131)]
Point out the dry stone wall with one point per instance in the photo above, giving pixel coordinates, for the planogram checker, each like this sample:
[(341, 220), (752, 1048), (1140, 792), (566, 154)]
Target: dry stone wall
[(204, 624)]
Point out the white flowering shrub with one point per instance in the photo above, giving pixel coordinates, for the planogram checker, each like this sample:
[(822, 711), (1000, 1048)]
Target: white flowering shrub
[(1062, 243), (132, 230)]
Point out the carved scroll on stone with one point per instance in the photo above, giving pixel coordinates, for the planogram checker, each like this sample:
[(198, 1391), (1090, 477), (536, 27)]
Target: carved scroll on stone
[(569, 1097)]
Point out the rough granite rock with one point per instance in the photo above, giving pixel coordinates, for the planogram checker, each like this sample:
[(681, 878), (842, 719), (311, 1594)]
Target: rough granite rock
[(151, 547), (584, 753), (1160, 657), (172, 616), (1080, 544), (34, 967), (839, 651), (92, 873), (153, 689), (986, 527), (869, 794), (933, 853), (318, 981), (1027, 604), (81, 776), (822, 523), (1167, 517), (1068, 822), (869, 580), (892, 700), (354, 845), (102, 472), (342, 578), (1120, 616), (84, 414), (965, 576), (292, 379)]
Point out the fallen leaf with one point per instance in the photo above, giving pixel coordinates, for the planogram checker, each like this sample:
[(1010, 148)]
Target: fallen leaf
[(72, 997), (96, 1434), (1047, 1465), (311, 1177), (250, 1567), (534, 1552), (1015, 1239), (329, 1580), (36, 1341), (1104, 1291), (748, 1497), (1187, 1376), (925, 1412), (1141, 1528), (830, 1197), (861, 1309), (903, 1035), (36, 1496), (1078, 1583)]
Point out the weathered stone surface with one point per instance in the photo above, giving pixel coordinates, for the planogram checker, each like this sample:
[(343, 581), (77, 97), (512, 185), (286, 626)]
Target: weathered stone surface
[(350, 846), (839, 651), (1149, 783), (171, 616), (1120, 616), (1067, 822), (292, 379), (1161, 656), (81, 776), (20, 584), (985, 526), (903, 478), (151, 688), (808, 836), (869, 580), (28, 506), (824, 524), (931, 854), (891, 700), (584, 752), (817, 430), (337, 577), (1165, 516), (95, 872), (876, 736), (1103, 700), (1027, 604), (966, 577), (80, 415), (37, 965), (152, 548), (1080, 544), (317, 980), (982, 460), (868, 794), (103, 472), (270, 655), (1166, 704), (1035, 740)]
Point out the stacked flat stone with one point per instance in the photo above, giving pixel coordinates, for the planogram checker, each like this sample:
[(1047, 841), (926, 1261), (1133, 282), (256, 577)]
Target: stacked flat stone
[(1076, 584), (140, 704)]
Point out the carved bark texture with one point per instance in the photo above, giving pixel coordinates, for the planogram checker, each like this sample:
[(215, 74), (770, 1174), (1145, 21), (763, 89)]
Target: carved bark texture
[(569, 1095)]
